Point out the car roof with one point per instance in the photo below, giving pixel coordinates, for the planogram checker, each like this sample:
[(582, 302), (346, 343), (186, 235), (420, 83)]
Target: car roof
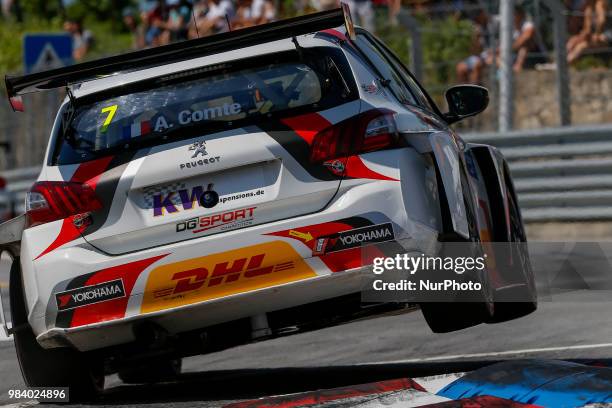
[(122, 78)]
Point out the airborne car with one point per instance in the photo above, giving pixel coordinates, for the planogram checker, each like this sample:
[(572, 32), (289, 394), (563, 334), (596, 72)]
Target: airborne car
[(223, 190)]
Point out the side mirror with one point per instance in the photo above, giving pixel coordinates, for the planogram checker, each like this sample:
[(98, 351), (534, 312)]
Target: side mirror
[(465, 101)]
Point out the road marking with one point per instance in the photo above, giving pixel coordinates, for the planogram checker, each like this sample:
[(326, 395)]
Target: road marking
[(494, 354)]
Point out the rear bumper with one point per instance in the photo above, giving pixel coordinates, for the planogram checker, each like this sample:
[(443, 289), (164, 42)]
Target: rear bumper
[(204, 314)]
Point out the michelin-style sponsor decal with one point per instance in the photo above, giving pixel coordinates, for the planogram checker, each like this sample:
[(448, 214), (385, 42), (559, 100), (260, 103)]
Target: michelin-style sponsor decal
[(354, 238), (223, 274), (88, 295), (223, 221)]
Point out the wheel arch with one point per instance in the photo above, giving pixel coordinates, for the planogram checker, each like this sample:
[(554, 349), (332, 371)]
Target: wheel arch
[(498, 183)]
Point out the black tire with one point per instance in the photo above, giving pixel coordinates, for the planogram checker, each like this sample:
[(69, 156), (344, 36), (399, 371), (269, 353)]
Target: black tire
[(446, 317), (152, 372), (461, 311), (58, 367), (508, 310)]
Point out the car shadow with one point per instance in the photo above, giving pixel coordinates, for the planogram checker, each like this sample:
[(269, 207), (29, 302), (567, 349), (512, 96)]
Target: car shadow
[(256, 383)]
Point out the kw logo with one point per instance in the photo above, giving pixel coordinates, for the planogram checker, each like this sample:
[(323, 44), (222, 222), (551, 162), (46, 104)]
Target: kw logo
[(223, 274), (194, 279)]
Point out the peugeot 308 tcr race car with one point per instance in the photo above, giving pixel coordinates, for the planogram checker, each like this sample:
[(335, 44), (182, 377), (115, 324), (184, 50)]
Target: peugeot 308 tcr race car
[(222, 190)]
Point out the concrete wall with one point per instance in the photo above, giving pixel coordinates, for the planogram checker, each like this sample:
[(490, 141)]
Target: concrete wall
[(536, 100)]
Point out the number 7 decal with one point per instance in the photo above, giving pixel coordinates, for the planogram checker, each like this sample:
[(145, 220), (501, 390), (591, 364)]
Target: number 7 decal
[(111, 114)]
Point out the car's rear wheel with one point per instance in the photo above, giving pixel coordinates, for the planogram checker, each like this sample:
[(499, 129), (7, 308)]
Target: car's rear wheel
[(151, 372), (461, 310), (59, 367)]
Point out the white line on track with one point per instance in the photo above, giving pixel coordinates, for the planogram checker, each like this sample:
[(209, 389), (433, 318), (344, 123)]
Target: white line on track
[(495, 353)]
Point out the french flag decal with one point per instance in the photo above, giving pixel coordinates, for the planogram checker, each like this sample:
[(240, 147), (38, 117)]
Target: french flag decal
[(136, 129)]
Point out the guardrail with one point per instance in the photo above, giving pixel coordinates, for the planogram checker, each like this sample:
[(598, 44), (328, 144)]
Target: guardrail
[(19, 181), (560, 174)]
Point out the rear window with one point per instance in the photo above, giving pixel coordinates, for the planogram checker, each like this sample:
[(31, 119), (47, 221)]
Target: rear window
[(195, 103)]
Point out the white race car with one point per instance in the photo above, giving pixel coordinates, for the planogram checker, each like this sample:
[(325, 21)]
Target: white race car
[(237, 187)]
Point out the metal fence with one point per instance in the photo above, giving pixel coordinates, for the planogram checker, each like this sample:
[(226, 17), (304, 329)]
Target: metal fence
[(560, 174), (19, 181)]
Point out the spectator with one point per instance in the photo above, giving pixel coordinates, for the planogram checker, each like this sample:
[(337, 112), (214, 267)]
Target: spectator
[(603, 32), (575, 9), (82, 40), (199, 10), (470, 69), (175, 27), (362, 12), (394, 10), (7, 6), (214, 21), (137, 30), (524, 38), (322, 5), (253, 12), (596, 31), (152, 21), (263, 11), (244, 14)]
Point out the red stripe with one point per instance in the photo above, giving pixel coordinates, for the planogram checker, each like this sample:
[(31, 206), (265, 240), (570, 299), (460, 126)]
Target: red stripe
[(307, 126), (88, 173), (356, 168), (90, 170), (334, 394), (351, 258), (335, 33), (68, 232), (112, 309), (145, 127)]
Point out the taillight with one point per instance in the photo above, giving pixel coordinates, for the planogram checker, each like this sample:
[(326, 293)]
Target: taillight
[(367, 132), (55, 200)]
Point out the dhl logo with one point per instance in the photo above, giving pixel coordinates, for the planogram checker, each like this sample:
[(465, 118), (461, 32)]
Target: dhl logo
[(197, 278), (223, 274)]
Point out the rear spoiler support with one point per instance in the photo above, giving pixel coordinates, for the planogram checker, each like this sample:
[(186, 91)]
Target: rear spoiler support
[(181, 51)]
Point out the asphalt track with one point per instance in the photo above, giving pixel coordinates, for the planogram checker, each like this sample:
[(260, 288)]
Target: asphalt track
[(573, 325)]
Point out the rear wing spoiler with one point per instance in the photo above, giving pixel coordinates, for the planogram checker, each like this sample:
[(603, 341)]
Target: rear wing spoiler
[(181, 51)]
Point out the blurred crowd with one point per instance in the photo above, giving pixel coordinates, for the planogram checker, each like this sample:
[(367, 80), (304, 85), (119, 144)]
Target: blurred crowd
[(589, 26), (158, 22), (162, 22)]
